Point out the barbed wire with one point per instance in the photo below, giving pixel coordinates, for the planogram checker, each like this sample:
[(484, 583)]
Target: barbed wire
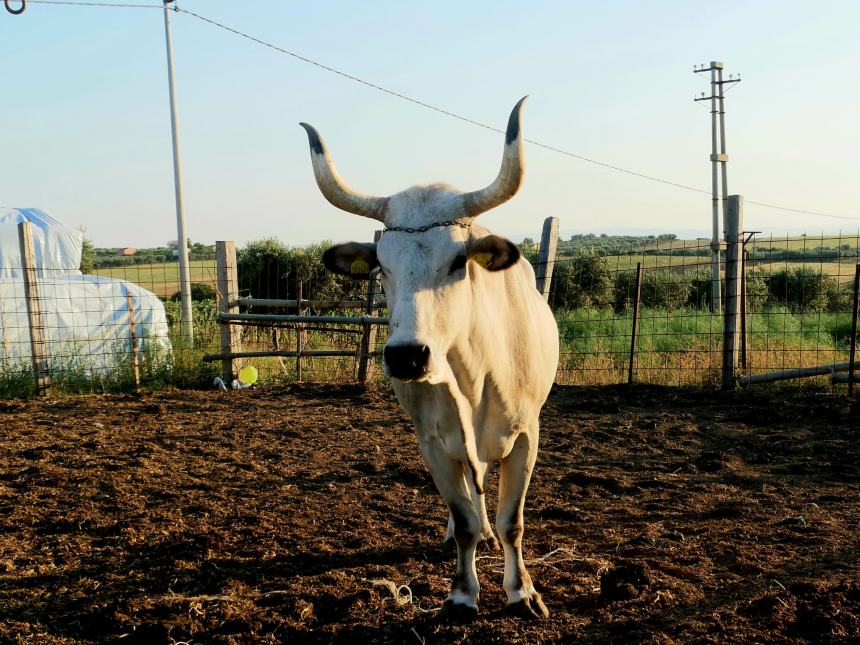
[(437, 109)]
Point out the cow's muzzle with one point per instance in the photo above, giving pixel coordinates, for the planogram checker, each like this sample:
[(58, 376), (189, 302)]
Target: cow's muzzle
[(406, 362)]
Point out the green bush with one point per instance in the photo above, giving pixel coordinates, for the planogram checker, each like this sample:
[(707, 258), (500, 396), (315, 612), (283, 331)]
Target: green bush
[(269, 269), (758, 290), (199, 291), (801, 289), (660, 289), (582, 281)]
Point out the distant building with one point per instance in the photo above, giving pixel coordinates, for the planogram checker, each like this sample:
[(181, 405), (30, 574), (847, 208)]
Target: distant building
[(128, 250)]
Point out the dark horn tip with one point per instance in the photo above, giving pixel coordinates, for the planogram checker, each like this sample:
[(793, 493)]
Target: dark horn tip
[(314, 139), (513, 130)]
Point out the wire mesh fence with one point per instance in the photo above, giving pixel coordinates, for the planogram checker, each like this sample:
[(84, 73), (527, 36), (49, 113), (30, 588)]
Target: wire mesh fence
[(594, 297), (796, 310), (119, 326), (114, 328), (799, 301)]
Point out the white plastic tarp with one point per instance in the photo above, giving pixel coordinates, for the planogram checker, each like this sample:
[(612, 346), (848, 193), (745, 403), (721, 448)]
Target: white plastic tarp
[(86, 321), (57, 248), (86, 318)]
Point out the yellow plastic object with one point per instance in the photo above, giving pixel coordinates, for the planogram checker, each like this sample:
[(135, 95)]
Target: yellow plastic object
[(248, 374)]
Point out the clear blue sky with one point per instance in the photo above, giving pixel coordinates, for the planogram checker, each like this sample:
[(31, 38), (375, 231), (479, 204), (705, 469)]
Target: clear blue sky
[(84, 127)]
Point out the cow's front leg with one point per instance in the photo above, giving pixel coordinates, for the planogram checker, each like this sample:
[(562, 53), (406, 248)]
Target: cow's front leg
[(514, 476), (449, 477), (488, 538)]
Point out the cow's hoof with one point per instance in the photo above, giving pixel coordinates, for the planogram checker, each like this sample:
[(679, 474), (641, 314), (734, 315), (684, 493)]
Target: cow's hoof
[(455, 612), (530, 608)]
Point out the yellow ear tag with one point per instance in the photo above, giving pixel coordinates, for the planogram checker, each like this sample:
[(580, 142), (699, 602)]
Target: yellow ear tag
[(359, 266), (484, 259)]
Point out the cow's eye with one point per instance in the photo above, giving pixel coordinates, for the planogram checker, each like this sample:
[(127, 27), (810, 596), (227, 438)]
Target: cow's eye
[(458, 263)]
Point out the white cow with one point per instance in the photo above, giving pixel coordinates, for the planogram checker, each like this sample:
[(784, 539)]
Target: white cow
[(472, 351)]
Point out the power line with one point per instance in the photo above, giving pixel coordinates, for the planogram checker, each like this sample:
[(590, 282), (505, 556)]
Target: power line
[(429, 106), (97, 4)]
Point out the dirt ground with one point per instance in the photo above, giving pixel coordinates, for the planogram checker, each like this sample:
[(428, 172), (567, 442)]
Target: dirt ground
[(277, 515)]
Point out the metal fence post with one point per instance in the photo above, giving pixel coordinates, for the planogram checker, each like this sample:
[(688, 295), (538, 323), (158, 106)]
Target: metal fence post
[(853, 352), (38, 346), (734, 248), (634, 332), (300, 332), (546, 257), (228, 293), (368, 336)]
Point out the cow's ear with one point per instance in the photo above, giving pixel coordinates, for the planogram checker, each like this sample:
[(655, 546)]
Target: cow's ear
[(492, 252), (353, 259)]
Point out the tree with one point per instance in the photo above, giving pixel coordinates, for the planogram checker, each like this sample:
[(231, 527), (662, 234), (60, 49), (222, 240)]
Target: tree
[(582, 281), (88, 256)]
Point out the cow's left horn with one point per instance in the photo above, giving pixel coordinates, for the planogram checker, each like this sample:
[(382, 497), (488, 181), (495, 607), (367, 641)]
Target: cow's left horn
[(510, 176), (334, 189)]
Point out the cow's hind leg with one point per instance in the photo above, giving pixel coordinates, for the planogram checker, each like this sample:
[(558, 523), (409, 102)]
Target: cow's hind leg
[(449, 477), (514, 476)]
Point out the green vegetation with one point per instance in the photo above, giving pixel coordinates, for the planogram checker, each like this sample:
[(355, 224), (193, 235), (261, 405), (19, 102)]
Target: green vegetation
[(269, 269), (683, 347)]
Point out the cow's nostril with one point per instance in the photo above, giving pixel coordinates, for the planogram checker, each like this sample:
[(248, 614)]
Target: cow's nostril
[(406, 361)]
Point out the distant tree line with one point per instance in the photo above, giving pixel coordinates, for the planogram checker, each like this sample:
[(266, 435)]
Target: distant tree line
[(98, 258)]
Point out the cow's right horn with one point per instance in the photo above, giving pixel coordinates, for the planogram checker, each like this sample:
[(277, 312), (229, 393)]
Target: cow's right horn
[(510, 176), (334, 189)]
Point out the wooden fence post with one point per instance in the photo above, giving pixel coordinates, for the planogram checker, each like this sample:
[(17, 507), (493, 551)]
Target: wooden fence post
[(546, 257), (135, 359), (734, 248), (38, 346), (635, 331), (228, 292), (368, 336)]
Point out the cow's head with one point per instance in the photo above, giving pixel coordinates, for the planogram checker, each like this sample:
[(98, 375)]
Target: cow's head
[(429, 257)]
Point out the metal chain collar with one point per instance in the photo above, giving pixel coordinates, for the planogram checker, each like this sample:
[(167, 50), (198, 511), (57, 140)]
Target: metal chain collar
[(421, 229)]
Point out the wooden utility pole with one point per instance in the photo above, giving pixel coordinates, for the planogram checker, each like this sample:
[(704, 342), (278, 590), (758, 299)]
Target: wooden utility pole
[(187, 314)]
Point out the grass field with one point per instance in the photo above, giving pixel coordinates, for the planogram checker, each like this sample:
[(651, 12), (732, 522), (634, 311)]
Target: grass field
[(684, 346), (162, 279)]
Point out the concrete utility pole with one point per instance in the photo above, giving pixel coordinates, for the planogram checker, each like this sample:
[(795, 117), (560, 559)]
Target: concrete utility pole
[(721, 158), (182, 242)]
